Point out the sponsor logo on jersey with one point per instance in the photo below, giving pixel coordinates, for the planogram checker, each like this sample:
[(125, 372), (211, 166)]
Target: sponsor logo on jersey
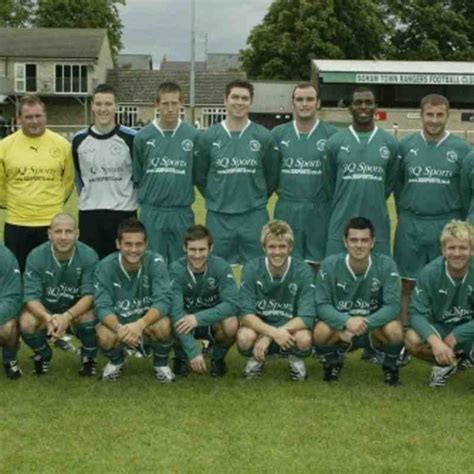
[(53, 293), (321, 144), (362, 171), (285, 142), (217, 144), (342, 285), (301, 166), (347, 148), (128, 308), (167, 165), (255, 145), (414, 151), (358, 307), (384, 152), (200, 302), (187, 144), (457, 314), (50, 273), (428, 174), (235, 165), (151, 143), (452, 156), (272, 307)]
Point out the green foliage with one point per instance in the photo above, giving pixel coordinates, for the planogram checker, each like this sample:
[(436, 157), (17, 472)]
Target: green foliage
[(82, 14), (15, 13)]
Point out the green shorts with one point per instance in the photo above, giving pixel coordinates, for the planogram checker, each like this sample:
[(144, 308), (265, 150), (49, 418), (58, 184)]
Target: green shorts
[(237, 236), (166, 229), (204, 332), (310, 227), (417, 242)]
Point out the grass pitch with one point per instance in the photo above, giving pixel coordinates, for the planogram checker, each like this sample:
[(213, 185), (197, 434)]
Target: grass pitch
[(63, 423)]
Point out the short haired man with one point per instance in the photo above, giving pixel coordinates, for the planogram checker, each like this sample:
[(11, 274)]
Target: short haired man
[(428, 191), (277, 305), (58, 293), (205, 303), (10, 307), (163, 172), (236, 170), (359, 171), (358, 304), (133, 299), (103, 159), (36, 178), (302, 201), (442, 305)]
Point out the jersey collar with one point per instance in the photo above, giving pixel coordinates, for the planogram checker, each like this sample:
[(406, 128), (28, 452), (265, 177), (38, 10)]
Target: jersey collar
[(224, 126), (155, 123), (191, 273), (125, 271), (446, 135), (298, 134), (58, 263), (354, 276), (267, 266), (374, 131), (450, 278)]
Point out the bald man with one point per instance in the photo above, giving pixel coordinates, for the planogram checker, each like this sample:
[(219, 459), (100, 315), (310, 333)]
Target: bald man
[(58, 294)]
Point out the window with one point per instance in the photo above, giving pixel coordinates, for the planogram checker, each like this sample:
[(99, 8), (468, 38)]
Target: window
[(71, 79), (127, 115), (211, 116), (25, 77)]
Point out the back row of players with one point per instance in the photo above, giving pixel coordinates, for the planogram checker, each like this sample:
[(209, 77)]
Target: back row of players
[(322, 177), (128, 301)]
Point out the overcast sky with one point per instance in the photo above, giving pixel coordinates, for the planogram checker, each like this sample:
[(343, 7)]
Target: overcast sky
[(160, 27)]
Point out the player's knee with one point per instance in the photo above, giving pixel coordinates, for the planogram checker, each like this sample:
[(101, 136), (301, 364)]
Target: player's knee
[(85, 318), (393, 332), (322, 333), (230, 326), (246, 338), (106, 339), (29, 324), (9, 331), (413, 342), (161, 330), (303, 340)]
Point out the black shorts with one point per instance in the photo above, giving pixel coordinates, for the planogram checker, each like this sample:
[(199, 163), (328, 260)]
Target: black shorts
[(98, 229)]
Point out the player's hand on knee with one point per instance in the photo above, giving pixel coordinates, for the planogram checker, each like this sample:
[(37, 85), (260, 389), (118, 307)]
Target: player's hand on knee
[(283, 338), (61, 322), (357, 325), (346, 336), (186, 324), (198, 364), (51, 325), (450, 340), (261, 347), (442, 353)]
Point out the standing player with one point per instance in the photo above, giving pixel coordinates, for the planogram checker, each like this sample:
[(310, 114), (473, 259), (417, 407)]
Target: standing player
[(467, 186), (205, 303), (236, 170), (162, 170), (359, 170), (103, 159), (277, 305), (10, 307), (442, 305), (358, 304), (133, 299), (58, 293), (428, 191), (36, 178), (302, 201)]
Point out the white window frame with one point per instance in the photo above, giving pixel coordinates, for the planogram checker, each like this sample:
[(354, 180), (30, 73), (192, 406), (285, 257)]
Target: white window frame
[(127, 115), (212, 115), (71, 92), (20, 77)]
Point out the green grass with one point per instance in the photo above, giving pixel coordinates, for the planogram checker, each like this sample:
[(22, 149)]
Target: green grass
[(63, 423)]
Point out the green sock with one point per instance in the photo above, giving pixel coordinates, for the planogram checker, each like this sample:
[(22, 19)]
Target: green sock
[(299, 353), (219, 351), (245, 353), (116, 356), (179, 352), (333, 355), (86, 334), (39, 344), (161, 351), (9, 353), (392, 353)]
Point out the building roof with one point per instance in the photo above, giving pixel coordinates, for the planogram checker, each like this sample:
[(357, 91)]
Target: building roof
[(181, 66), (74, 43), (135, 61), (420, 67), (139, 87)]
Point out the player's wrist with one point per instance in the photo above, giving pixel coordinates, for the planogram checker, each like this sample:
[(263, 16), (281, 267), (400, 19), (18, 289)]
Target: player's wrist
[(69, 315), (117, 327)]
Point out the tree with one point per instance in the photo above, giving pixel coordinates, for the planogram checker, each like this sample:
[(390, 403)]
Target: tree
[(434, 29), (295, 31), (82, 14), (15, 13)]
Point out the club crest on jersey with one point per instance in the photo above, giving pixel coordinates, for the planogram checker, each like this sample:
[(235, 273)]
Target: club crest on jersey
[(115, 150), (321, 144), (212, 284), (293, 289), (452, 156), (376, 285), (54, 152), (145, 281), (187, 145), (384, 152), (255, 145)]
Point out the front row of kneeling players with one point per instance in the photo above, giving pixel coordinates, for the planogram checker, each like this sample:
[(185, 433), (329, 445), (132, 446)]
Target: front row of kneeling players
[(356, 298)]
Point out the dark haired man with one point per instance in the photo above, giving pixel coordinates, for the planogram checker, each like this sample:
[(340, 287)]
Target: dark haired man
[(236, 170), (358, 304), (103, 159), (205, 303), (162, 170), (133, 301), (359, 170)]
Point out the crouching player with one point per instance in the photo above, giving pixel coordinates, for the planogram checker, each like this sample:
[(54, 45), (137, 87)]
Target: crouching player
[(58, 293), (205, 304), (442, 305), (133, 299), (358, 304), (10, 307), (277, 305)]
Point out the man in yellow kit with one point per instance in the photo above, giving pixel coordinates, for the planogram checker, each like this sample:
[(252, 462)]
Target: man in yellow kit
[(36, 178)]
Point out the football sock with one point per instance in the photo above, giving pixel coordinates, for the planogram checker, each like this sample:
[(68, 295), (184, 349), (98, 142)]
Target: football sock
[(161, 350), (39, 344), (86, 334)]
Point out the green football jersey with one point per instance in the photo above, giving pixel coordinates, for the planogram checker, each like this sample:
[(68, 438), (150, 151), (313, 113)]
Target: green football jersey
[(301, 161), (277, 300), (358, 176), (236, 172), (211, 296), (10, 286), (58, 285), (429, 175), (129, 295), (467, 186), (163, 165), (374, 294), (438, 298)]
